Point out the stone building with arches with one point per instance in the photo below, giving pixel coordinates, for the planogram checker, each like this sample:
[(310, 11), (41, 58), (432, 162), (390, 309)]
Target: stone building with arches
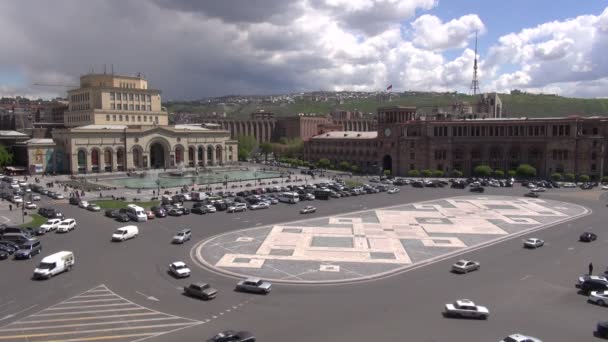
[(116, 123)]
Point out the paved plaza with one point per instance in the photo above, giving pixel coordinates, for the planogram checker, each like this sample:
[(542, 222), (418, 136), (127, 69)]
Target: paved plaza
[(379, 242)]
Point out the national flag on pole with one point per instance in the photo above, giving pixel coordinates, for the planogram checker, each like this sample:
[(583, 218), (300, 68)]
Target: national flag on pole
[(389, 87)]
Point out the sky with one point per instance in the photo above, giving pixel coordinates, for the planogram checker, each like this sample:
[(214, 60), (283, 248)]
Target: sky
[(192, 49)]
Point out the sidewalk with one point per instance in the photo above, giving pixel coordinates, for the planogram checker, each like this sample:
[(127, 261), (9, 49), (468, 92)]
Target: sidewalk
[(13, 217)]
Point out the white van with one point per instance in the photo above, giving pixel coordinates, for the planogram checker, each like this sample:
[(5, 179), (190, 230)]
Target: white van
[(54, 264), (125, 233), (136, 213)]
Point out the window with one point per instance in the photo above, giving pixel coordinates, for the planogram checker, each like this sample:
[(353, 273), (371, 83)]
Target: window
[(112, 96), (149, 108), (136, 107), (594, 143), (593, 156), (148, 98), (145, 118), (124, 96), (133, 118), (108, 117), (412, 155), (126, 118), (592, 167), (595, 131), (157, 119), (114, 117), (131, 106), (130, 97), (136, 97), (112, 106), (119, 106), (139, 118), (120, 118)]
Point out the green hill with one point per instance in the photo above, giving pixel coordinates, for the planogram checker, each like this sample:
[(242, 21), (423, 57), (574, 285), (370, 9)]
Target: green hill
[(515, 105)]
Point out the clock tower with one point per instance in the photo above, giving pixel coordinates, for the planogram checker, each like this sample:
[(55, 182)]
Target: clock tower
[(390, 118)]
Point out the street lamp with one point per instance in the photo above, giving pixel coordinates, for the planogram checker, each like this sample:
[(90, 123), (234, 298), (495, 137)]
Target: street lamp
[(158, 186), (226, 181)]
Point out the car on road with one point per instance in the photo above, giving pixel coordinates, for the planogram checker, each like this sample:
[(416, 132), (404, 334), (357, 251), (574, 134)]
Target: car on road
[(569, 185), (111, 213), (209, 208), (237, 207), (175, 212), (8, 250), (259, 205), (233, 336), (587, 237), (66, 225), (74, 201), (159, 212), (586, 277), (532, 195), (93, 207), (479, 189), (593, 285), (182, 236), (10, 245), (308, 210), (601, 329), (533, 243), (83, 204), (254, 285), (51, 224), (466, 308), (520, 338), (179, 269), (598, 297), (465, 266), (122, 217), (58, 196), (537, 190), (125, 233), (393, 190), (30, 205), (17, 199), (200, 290), (605, 187), (28, 250), (3, 255), (150, 215), (36, 198)]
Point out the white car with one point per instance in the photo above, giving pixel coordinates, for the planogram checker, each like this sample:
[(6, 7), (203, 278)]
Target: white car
[(465, 266), (51, 224), (604, 187), (66, 225), (537, 189), (520, 338), (58, 196), (393, 190), (30, 205), (17, 199), (209, 208), (179, 269), (598, 297), (83, 204), (36, 198), (533, 243), (308, 210), (237, 207), (465, 308), (586, 277), (187, 197), (259, 205), (23, 184), (568, 185)]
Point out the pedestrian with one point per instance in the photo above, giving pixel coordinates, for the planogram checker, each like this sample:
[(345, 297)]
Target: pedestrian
[(10, 207), (590, 268)]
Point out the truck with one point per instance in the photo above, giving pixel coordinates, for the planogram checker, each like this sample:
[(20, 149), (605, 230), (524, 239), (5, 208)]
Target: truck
[(198, 196), (54, 264)]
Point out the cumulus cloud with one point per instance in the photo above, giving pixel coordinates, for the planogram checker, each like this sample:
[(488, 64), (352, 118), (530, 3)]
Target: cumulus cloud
[(431, 33)]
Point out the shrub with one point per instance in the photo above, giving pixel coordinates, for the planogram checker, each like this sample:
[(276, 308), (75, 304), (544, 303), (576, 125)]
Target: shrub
[(482, 170), (499, 173), (426, 173), (605, 179), (569, 177), (556, 176), (413, 173), (438, 173), (511, 173), (583, 178), (526, 171), (457, 173)]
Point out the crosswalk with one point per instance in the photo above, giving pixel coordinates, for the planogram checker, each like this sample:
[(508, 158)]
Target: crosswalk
[(95, 315)]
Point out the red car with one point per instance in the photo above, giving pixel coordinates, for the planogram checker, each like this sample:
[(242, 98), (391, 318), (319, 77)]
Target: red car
[(150, 214)]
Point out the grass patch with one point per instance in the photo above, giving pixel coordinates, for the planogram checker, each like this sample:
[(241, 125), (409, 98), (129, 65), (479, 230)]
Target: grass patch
[(114, 204), (352, 183), (36, 222)]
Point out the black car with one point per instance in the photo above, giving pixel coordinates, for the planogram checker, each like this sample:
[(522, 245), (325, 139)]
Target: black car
[(111, 213), (74, 201), (186, 211), (233, 336), (587, 237), (122, 217), (3, 255), (7, 249), (593, 285), (602, 329), (479, 189), (12, 245), (418, 184), (199, 210), (532, 195), (159, 212)]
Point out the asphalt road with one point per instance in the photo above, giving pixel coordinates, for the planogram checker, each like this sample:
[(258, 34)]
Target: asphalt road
[(527, 291)]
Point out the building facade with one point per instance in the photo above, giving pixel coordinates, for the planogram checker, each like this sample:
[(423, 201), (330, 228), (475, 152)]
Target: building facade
[(115, 123), (403, 142)]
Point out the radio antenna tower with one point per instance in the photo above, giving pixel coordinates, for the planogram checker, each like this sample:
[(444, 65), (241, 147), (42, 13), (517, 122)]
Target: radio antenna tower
[(475, 82)]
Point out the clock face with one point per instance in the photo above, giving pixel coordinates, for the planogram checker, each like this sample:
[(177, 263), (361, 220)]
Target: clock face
[(387, 132)]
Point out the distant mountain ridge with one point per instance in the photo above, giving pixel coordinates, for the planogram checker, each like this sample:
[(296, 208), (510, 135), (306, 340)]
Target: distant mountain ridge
[(516, 104)]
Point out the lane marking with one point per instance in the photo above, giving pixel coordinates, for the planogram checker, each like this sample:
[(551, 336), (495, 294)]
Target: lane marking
[(525, 277), (7, 303), (89, 306), (95, 296), (84, 318), (94, 323), (88, 301), (11, 315), (95, 330), (108, 337), (86, 312)]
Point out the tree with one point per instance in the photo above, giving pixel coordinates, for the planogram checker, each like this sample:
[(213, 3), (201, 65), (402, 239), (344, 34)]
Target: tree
[(266, 149), (413, 173), (583, 178), (323, 163), (247, 144), (344, 166), (387, 172), (426, 173), (457, 173), (556, 176), (499, 173), (569, 177), (482, 170), (438, 173), (354, 169), (6, 157), (526, 171), (511, 173), (605, 179)]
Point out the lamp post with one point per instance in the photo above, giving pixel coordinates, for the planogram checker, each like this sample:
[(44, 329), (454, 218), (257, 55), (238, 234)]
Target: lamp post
[(226, 181), (158, 186)]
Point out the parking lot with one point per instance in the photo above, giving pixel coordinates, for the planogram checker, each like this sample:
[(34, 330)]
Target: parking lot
[(134, 275)]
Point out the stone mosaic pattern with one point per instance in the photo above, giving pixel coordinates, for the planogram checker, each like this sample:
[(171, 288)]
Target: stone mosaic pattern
[(374, 243)]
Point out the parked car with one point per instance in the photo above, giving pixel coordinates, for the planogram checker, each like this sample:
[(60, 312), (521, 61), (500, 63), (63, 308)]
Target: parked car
[(598, 297), (465, 308), (308, 210), (233, 336), (179, 269), (36, 198), (159, 212), (601, 329), (122, 217), (465, 266), (593, 285), (111, 213), (477, 189), (254, 285), (66, 225), (533, 243), (586, 277), (200, 290), (93, 207), (587, 237), (28, 250), (393, 190), (30, 205), (51, 224), (175, 212), (259, 205), (237, 207), (520, 338)]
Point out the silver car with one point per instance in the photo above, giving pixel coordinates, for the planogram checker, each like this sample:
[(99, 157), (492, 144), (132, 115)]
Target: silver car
[(254, 285), (465, 266)]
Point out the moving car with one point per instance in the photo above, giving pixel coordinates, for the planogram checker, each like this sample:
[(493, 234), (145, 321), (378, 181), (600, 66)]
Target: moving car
[(533, 243), (175, 212), (393, 190), (233, 336), (237, 207), (465, 266), (569, 185), (532, 195), (36, 198), (602, 329), (308, 210), (465, 308), (200, 290), (159, 212), (254, 285), (93, 207), (58, 196), (83, 204), (259, 205), (587, 237), (537, 190), (477, 189), (66, 225), (51, 224), (179, 269), (125, 233), (182, 236), (30, 205), (598, 297), (520, 338), (54, 264)]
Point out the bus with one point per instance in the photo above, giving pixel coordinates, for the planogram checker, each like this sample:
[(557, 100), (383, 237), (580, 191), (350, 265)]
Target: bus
[(136, 213), (289, 197)]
